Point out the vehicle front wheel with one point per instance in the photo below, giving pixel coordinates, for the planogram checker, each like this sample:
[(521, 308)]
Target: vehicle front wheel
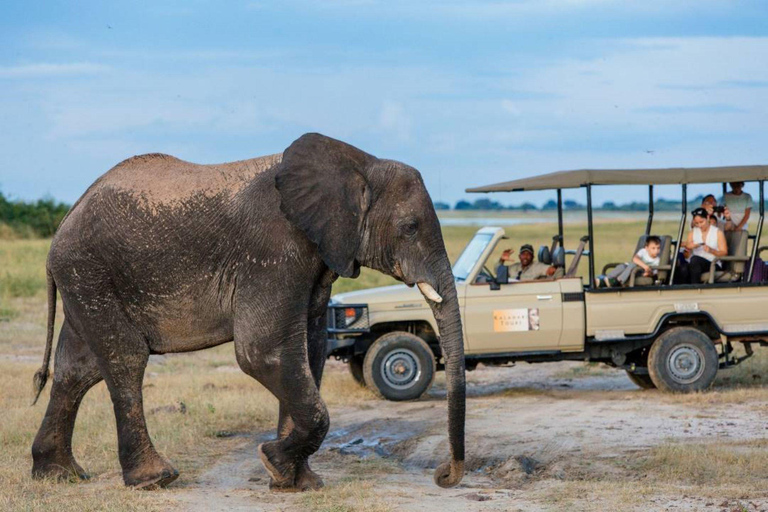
[(399, 366), (683, 360), (642, 381), (356, 369)]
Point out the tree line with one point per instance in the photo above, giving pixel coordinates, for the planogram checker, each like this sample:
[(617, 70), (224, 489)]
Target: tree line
[(34, 218), (659, 205)]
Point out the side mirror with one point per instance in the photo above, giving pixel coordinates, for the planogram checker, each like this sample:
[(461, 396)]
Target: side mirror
[(502, 277)]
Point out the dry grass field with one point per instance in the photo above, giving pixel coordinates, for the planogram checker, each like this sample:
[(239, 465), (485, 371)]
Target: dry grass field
[(564, 436)]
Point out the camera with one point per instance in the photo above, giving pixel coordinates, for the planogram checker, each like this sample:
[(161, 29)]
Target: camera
[(719, 209)]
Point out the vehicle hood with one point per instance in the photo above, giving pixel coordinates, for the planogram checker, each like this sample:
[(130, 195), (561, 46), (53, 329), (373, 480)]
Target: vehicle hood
[(395, 294)]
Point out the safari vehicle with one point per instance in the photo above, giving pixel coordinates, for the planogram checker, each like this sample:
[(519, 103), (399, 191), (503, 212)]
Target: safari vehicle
[(674, 337)]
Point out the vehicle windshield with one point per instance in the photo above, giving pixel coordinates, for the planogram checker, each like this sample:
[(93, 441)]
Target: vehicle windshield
[(469, 256)]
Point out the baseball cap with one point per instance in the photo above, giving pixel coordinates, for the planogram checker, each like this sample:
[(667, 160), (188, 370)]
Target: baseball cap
[(526, 247)]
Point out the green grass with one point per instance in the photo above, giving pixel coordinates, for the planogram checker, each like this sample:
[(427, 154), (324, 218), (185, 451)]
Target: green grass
[(22, 267)]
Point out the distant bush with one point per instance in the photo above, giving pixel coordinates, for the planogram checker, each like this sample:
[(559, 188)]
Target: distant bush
[(30, 219)]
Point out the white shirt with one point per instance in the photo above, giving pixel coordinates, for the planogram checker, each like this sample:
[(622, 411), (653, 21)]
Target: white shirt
[(646, 258), (710, 242), (738, 205)]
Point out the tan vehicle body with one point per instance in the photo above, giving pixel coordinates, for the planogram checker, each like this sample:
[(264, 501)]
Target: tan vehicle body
[(564, 326)]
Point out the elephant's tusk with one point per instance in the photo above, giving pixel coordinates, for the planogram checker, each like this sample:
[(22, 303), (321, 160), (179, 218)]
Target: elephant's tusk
[(430, 293)]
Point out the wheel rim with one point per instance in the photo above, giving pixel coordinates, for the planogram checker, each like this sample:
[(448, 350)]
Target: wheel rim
[(401, 369), (685, 363)]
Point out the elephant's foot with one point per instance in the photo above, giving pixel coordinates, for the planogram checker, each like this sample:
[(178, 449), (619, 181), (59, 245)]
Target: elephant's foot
[(150, 476), (308, 480), (284, 474), (61, 469)]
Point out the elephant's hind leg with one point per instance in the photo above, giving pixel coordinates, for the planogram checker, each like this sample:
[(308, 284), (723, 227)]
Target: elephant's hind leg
[(75, 372), (122, 353)]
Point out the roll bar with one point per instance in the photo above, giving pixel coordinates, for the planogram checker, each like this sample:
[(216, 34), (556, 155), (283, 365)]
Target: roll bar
[(679, 233), (569, 179), (650, 211), (759, 232)]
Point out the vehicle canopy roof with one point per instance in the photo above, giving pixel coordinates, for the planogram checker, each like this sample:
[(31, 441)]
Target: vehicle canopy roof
[(670, 176)]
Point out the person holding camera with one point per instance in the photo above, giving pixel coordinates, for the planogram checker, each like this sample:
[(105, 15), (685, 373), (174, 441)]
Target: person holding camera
[(719, 215)]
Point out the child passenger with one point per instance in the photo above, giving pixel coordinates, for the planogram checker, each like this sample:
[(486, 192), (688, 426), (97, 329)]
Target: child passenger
[(646, 258)]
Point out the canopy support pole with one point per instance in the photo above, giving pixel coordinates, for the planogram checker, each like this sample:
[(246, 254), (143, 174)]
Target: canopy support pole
[(759, 232), (591, 238), (560, 215), (679, 234), (650, 211)]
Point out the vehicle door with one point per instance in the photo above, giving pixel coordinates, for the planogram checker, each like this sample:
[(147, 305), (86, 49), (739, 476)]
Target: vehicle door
[(519, 317)]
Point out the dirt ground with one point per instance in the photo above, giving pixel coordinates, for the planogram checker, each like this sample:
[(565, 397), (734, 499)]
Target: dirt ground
[(558, 436)]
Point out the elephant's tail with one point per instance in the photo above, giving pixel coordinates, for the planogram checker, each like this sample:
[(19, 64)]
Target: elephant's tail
[(41, 375)]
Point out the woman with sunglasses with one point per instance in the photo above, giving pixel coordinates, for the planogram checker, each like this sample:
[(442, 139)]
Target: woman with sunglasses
[(706, 243)]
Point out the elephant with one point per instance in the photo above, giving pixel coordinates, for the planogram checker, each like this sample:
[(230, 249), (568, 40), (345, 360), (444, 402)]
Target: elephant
[(163, 256)]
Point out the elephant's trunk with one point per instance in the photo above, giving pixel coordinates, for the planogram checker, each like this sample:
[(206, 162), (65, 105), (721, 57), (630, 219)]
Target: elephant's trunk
[(452, 344)]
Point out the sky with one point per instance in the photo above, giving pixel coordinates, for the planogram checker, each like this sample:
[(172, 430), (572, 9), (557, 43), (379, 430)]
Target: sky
[(468, 92)]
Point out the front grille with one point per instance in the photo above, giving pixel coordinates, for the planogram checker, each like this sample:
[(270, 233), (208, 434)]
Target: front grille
[(348, 318)]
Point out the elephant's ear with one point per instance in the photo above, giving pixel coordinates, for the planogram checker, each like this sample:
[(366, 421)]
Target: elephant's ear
[(323, 191)]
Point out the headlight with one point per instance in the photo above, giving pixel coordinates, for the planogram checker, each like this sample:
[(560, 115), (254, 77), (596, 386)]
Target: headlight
[(351, 315)]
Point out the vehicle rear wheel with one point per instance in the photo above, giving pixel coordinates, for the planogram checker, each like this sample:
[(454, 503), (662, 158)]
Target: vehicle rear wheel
[(683, 360), (399, 366), (356, 369), (642, 381)]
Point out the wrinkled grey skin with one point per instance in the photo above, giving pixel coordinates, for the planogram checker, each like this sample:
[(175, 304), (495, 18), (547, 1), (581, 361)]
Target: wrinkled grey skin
[(161, 255)]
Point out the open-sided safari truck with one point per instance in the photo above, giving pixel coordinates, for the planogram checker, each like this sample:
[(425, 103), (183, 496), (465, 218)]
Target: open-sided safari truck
[(670, 336)]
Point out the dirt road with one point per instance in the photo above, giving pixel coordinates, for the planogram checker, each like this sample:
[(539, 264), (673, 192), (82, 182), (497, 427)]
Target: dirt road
[(539, 437)]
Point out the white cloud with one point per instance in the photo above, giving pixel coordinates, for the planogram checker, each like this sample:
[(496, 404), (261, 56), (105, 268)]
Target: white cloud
[(44, 69), (394, 119), (509, 106)]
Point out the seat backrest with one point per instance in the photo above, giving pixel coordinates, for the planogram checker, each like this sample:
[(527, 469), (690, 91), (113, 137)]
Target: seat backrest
[(737, 246), (545, 256), (558, 257), (640, 244), (557, 241), (577, 257), (665, 257)]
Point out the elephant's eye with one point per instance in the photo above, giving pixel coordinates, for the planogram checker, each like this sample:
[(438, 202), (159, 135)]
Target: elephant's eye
[(409, 228)]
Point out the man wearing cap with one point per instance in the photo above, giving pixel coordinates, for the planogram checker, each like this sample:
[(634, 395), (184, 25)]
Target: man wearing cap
[(526, 269)]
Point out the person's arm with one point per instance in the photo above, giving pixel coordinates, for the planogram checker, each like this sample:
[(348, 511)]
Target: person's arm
[(722, 246), (689, 242), (728, 224), (505, 256), (637, 260), (744, 219)]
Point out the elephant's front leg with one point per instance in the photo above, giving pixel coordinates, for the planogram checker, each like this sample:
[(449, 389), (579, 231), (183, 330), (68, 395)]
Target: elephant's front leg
[(316, 350), (275, 353)]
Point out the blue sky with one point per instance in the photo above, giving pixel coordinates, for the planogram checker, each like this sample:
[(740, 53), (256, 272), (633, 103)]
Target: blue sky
[(468, 92)]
